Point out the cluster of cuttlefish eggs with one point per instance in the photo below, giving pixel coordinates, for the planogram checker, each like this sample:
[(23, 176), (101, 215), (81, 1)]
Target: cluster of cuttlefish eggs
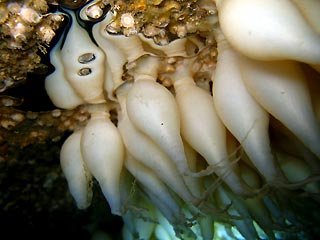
[(197, 156)]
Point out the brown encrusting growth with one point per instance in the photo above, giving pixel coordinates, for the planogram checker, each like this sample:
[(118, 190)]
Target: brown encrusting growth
[(26, 31)]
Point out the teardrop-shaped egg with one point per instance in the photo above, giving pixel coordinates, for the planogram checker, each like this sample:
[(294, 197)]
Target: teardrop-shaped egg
[(86, 78), (58, 88), (75, 170), (281, 88), (103, 151), (150, 154), (269, 30), (153, 110), (202, 128), (240, 113)]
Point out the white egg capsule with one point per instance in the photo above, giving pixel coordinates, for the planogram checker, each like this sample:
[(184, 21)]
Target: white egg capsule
[(86, 77), (58, 88), (103, 152), (75, 170), (269, 30), (281, 88), (202, 128), (149, 153), (153, 110), (240, 113)]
